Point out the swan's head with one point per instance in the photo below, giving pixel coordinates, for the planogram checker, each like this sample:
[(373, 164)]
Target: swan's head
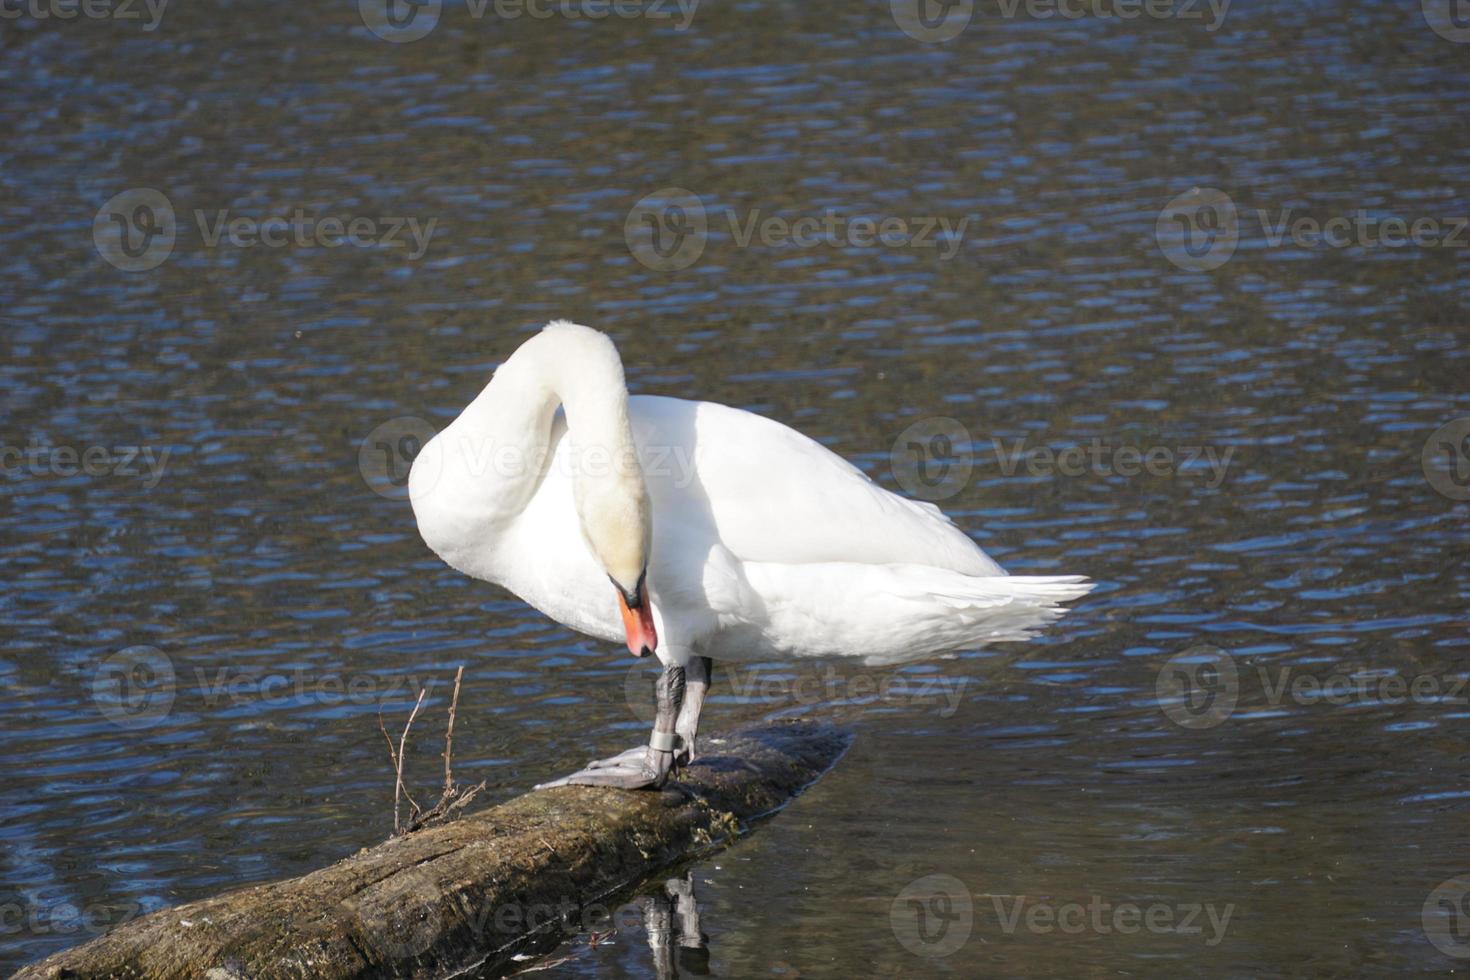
[(616, 524)]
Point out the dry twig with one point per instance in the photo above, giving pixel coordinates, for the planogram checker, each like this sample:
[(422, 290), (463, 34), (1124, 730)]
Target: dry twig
[(397, 757), (453, 797)]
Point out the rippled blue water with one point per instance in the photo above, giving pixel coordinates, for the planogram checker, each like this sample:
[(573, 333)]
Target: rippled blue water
[(1317, 555)]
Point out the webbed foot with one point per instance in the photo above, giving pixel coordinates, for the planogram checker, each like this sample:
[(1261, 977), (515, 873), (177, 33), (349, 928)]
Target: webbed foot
[(637, 768)]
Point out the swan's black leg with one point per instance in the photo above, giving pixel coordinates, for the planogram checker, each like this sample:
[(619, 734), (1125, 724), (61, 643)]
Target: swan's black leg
[(699, 674), (643, 767)]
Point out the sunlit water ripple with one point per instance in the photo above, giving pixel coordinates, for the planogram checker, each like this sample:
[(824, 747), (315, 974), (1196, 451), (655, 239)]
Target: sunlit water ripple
[(1322, 816)]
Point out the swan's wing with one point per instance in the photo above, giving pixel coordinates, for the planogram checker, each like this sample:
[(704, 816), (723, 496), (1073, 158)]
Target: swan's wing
[(769, 493)]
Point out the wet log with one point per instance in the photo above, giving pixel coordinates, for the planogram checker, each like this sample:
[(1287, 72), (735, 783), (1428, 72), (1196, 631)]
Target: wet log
[(467, 896)]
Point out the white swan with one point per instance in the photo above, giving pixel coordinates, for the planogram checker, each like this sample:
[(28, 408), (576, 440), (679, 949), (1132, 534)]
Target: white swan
[(697, 531)]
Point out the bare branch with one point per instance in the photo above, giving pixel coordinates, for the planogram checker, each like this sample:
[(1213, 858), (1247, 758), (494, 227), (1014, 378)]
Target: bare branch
[(402, 742), (449, 736)]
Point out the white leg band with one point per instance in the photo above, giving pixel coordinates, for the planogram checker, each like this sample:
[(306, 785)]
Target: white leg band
[(663, 741)]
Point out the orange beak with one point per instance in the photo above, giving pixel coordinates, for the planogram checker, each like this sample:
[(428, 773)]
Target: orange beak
[(638, 621)]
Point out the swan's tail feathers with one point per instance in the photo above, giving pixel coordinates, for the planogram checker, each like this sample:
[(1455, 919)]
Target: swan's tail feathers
[(980, 610), (1034, 590), (891, 614)]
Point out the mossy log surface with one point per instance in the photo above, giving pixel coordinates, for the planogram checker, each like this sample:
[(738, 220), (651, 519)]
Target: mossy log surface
[(464, 897)]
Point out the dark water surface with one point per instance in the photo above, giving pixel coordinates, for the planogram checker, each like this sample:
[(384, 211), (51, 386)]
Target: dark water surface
[(1078, 814)]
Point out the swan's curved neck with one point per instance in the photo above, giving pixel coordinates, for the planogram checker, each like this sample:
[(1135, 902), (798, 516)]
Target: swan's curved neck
[(505, 433)]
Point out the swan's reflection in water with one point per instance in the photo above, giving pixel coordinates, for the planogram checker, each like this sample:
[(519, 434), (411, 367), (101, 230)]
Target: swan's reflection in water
[(671, 920), (669, 915)]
